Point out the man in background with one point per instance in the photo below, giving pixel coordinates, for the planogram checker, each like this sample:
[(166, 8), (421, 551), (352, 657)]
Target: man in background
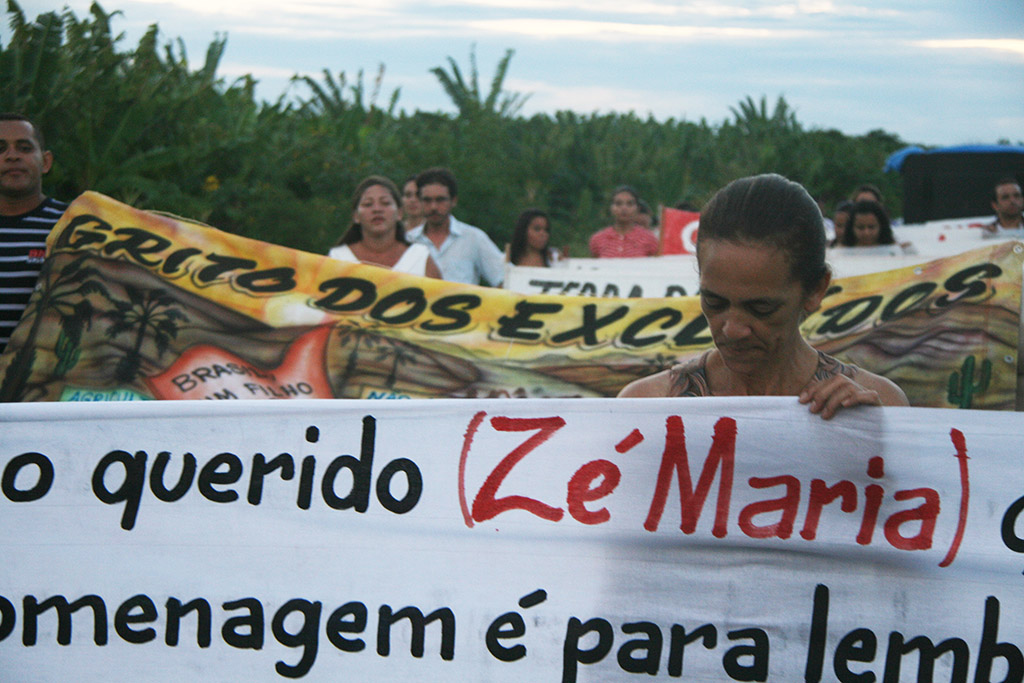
[(26, 216), (412, 212), (463, 252), (1008, 204)]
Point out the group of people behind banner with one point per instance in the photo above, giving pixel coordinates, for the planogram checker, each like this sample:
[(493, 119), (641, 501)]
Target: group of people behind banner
[(439, 245), (863, 221), (760, 254), (412, 230), (421, 214)]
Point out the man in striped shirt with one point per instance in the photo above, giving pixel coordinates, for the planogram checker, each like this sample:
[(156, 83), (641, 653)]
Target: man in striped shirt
[(26, 216)]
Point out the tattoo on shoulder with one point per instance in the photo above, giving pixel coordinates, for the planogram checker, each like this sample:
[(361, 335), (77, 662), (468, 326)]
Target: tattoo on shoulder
[(829, 366), (689, 379)]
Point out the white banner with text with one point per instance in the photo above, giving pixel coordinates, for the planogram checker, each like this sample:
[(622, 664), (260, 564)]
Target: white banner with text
[(710, 539)]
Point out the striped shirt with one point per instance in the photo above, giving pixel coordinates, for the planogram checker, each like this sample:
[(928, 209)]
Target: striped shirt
[(609, 243), (22, 248)]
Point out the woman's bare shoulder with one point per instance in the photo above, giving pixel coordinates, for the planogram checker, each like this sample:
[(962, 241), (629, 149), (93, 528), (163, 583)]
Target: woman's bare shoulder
[(652, 386), (889, 393), (687, 378)]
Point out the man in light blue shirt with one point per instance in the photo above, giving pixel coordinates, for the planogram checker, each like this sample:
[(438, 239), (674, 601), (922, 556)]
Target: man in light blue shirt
[(463, 252)]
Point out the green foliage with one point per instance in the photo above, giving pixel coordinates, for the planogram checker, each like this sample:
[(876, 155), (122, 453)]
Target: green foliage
[(144, 126), (465, 93)]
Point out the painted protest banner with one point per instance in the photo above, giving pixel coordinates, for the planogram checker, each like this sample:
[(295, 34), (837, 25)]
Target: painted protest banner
[(133, 305), (573, 540)]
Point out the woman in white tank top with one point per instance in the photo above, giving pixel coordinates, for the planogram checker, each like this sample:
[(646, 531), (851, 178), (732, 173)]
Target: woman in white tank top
[(376, 235)]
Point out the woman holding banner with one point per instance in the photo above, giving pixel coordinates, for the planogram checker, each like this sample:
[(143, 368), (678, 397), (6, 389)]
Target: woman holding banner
[(376, 235), (761, 257)]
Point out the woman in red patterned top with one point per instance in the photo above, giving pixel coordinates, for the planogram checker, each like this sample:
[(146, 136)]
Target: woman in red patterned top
[(761, 256), (626, 237)]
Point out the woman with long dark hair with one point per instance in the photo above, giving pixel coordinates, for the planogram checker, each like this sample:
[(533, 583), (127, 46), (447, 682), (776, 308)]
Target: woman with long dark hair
[(376, 235), (868, 226), (531, 240)]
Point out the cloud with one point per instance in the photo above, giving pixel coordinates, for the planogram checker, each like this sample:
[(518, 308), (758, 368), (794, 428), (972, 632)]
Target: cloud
[(739, 9), (1009, 123), (1013, 46), (593, 7), (621, 31), (269, 11), (852, 64), (720, 8), (366, 28), (595, 20)]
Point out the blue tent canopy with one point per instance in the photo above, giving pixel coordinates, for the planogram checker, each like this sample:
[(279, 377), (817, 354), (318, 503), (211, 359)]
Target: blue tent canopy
[(896, 159), (953, 182)]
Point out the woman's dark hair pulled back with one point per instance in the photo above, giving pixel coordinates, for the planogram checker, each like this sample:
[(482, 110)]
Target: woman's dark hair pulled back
[(772, 210)]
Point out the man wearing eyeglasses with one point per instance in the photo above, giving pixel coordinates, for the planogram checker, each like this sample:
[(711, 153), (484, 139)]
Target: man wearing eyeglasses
[(463, 252)]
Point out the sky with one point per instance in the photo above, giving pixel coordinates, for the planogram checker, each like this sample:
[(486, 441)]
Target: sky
[(934, 72)]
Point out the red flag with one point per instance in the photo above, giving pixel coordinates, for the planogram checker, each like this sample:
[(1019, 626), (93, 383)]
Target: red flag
[(679, 231)]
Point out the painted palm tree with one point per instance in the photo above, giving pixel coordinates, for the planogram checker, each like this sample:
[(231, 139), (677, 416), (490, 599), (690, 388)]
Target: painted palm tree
[(357, 336), (401, 354), (146, 312), (66, 295)]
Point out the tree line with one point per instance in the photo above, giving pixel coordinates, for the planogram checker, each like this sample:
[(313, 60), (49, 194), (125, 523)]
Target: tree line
[(143, 125)]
